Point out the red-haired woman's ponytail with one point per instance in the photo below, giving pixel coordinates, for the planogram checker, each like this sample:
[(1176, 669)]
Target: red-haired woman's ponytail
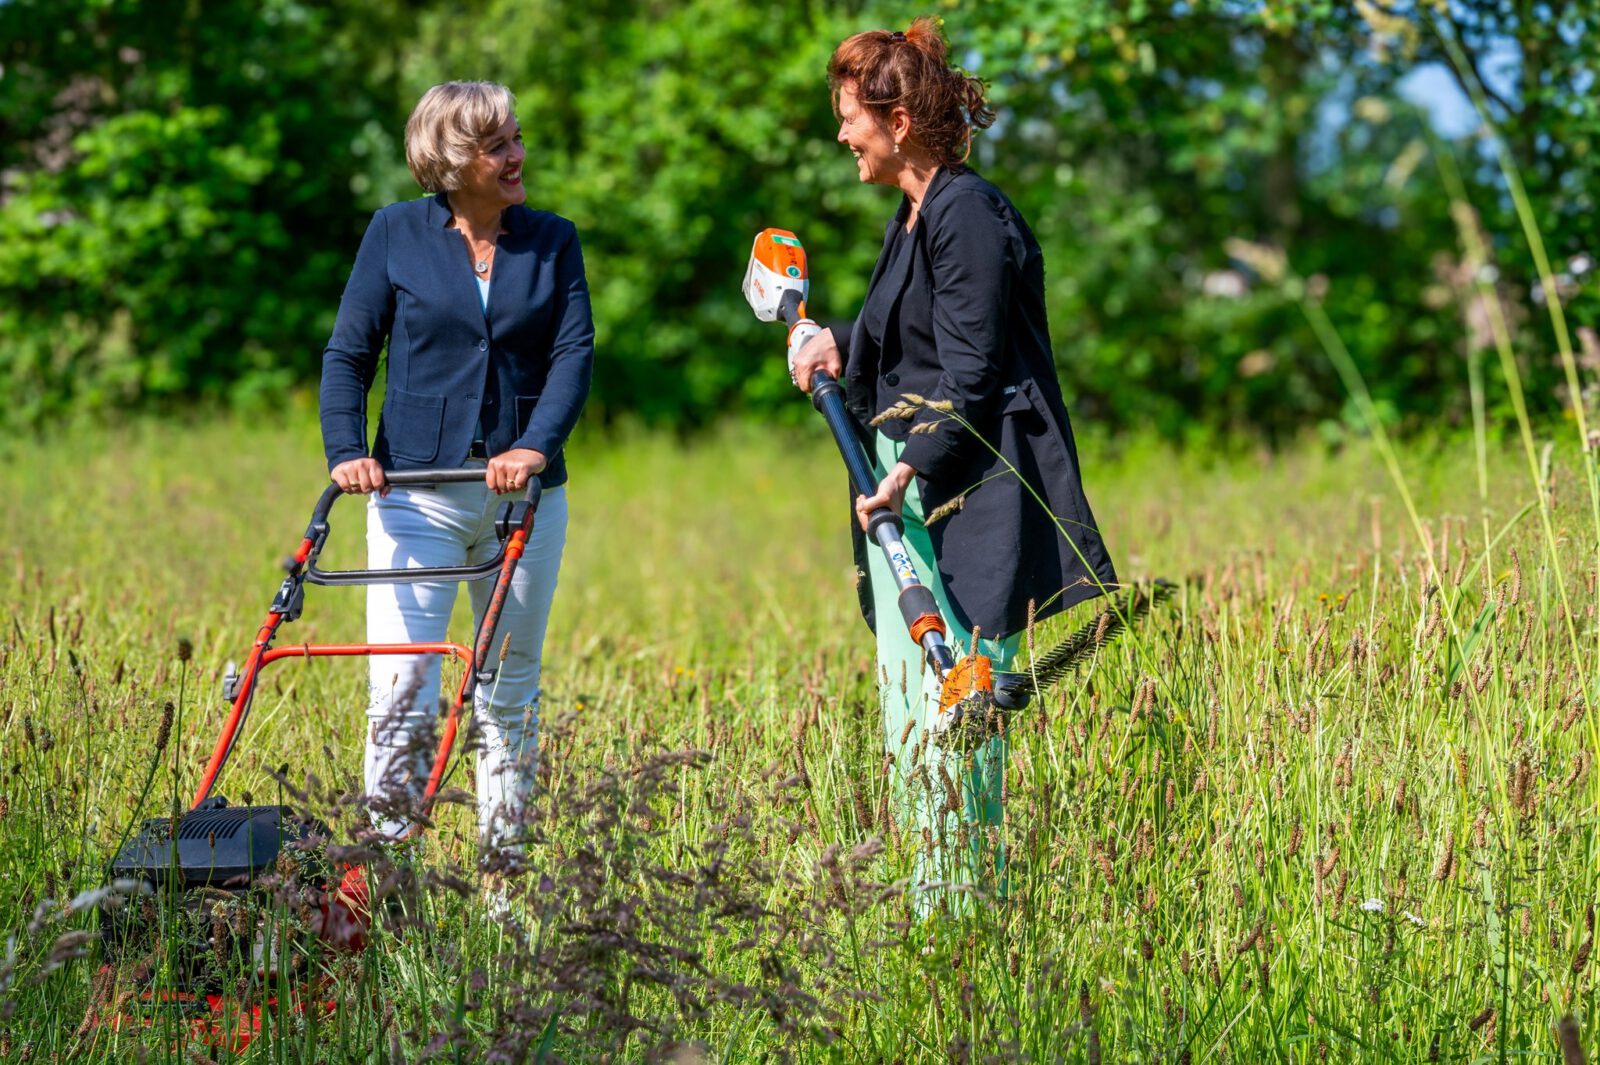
[(926, 34)]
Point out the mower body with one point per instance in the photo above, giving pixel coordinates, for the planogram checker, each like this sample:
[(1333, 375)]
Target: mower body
[(214, 860)]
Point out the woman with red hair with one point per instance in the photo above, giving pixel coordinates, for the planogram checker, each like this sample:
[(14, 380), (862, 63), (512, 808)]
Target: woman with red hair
[(984, 472)]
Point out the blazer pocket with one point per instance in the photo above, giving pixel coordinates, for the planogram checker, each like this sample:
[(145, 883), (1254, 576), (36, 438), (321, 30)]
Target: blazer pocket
[(1019, 402), (413, 422), (525, 405)]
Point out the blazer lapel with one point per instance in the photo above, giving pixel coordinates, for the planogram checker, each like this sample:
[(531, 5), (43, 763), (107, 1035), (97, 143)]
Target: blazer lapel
[(858, 332), (894, 278), (453, 258), (860, 363), (513, 274), (940, 182)]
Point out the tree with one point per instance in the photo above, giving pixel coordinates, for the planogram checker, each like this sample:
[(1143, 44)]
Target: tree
[(179, 191)]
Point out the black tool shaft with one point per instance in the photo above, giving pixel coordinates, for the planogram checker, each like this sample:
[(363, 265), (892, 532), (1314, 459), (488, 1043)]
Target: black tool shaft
[(827, 395), (917, 603)]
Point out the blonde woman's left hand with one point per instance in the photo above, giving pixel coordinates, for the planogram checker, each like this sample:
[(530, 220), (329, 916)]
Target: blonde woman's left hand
[(511, 470)]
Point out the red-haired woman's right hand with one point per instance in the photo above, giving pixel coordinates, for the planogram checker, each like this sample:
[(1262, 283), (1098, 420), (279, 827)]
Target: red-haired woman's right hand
[(359, 477), (821, 352)]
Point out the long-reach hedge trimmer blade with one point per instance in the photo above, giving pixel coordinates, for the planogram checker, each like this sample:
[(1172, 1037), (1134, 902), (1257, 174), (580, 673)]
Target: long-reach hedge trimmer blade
[(1085, 642)]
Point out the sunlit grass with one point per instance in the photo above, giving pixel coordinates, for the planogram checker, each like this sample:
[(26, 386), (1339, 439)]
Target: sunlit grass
[(1311, 819)]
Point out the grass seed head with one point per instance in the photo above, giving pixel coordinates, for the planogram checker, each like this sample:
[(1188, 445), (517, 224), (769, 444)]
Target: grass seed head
[(1571, 1047), (1447, 858), (1522, 791), (164, 729), (1580, 762), (952, 795), (1254, 937), (1103, 859)]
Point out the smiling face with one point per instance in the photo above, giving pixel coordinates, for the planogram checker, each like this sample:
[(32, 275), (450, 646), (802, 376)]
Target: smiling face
[(869, 139), (495, 174)]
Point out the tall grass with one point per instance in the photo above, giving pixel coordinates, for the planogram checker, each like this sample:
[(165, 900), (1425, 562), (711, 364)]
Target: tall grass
[(1297, 815)]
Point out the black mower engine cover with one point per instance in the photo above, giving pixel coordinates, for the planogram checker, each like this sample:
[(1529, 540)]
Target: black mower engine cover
[(218, 846)]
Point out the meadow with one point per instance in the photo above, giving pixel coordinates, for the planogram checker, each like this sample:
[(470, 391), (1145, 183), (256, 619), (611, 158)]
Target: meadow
[(1335, 801)]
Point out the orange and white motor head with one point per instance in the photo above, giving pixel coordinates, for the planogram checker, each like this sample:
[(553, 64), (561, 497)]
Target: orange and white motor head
[(777, 267), (776, 286)]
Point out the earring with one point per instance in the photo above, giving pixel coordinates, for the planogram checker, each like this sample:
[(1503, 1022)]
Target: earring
[(897, 149)]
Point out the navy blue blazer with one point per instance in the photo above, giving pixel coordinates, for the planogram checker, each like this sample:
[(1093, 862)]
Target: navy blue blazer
[(963, 315), (522, 367)]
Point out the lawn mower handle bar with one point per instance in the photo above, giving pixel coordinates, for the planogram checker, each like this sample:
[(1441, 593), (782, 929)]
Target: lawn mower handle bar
[(317, 531)]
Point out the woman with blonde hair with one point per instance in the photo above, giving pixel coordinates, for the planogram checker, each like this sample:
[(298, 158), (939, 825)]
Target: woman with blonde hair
[(484, 309)]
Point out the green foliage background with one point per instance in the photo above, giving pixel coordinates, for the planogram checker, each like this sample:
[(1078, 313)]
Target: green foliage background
[(182, 187)]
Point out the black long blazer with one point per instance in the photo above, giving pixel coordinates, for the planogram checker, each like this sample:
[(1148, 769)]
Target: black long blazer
[(967, 324), (522, 366)]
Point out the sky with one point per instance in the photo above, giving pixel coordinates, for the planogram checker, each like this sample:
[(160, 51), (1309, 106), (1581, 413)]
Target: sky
[(1434, 89)]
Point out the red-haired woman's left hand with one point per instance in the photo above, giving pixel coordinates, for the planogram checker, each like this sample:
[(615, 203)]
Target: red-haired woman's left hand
[(891, 493)]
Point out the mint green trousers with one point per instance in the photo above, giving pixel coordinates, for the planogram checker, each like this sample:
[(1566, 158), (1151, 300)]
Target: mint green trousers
[(948, 799)]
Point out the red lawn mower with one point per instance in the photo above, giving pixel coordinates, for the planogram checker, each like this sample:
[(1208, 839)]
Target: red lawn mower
[(230, 898)]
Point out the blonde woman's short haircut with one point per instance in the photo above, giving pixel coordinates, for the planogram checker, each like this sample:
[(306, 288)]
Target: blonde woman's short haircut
[(447, 126)]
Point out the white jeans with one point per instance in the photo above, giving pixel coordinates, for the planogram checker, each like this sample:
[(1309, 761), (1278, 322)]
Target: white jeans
[(453, 525)]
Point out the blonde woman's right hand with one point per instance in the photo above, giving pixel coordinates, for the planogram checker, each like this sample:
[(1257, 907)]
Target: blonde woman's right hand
[(359, 477)]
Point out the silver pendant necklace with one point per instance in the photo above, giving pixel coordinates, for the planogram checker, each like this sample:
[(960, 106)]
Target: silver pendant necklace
[(482, 266)]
